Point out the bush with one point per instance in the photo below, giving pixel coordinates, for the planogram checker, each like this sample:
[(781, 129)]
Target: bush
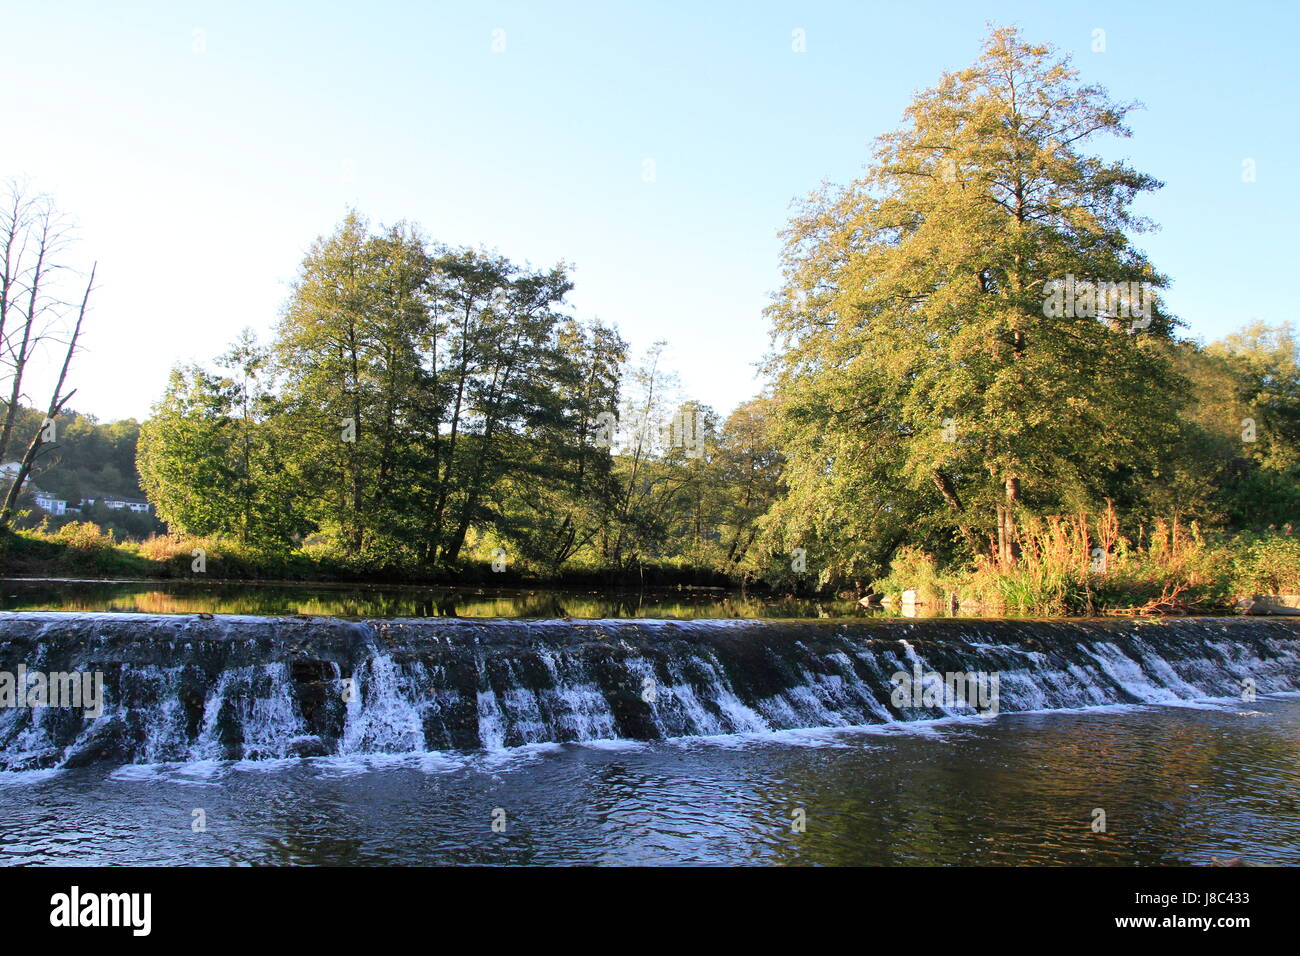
[(165, 547), (1270, 564), (914, 570), (1083, 565), (84, 535), (223, 557), (79, 547)]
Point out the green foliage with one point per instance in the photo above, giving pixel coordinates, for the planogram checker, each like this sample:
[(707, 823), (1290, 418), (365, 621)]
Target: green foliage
[(87, 460), (561, 489), (930, 392), (1267, 564), (425, 389), (935, 405), (422, 404), (207, 462), (84, 535), (914, 570), (77, 548)]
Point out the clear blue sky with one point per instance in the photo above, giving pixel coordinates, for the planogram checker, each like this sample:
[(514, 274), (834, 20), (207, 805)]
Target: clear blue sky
[(200, 167)]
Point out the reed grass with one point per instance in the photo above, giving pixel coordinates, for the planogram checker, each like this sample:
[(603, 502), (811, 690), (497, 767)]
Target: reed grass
[(1082, 565)]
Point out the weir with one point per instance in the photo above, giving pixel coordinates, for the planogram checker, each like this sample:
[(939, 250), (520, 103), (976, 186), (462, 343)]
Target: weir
[(182, 688)]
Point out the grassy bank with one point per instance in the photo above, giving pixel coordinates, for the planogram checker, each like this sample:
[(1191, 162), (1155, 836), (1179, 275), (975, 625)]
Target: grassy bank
[(1063, 567), (1084, 566), (83, 549)]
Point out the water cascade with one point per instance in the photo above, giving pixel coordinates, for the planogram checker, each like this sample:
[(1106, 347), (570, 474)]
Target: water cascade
[(181, 688)]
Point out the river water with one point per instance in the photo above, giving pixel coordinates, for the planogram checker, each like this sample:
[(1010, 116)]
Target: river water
[(376, 601), (673, 728), (1178, 785)]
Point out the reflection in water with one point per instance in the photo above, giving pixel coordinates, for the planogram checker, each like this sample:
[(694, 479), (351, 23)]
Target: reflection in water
[(184, 597), (1179, 785)]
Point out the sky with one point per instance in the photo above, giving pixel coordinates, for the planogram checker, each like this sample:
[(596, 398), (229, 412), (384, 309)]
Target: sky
[(656, 147)]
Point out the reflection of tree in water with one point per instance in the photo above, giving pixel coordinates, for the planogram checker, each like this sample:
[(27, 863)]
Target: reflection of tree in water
[(218, 597)]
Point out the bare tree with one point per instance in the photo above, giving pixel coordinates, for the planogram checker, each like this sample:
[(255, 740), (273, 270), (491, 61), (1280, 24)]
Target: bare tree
[(33, 240), (58, 399)]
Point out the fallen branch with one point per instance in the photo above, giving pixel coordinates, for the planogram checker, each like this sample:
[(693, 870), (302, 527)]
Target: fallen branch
[(1167, 603)]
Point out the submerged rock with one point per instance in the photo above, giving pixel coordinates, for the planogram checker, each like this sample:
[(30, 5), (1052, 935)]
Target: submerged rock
[(310, 746)]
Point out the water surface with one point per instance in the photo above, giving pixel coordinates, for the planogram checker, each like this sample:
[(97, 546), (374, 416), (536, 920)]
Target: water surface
[(1179, 784), (373, 601)]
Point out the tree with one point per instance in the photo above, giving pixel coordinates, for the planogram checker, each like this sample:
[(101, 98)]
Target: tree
[(209, 460), (561, 490), (345, 350), (1248, 387), (748, 469), (638, 522), (33, 239), (968, 330), (33, 242), (415, 379), (44, 438), (502, 372), (1267, 358)]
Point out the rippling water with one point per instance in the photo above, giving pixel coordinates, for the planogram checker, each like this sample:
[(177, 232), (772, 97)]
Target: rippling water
[(1178, 785)]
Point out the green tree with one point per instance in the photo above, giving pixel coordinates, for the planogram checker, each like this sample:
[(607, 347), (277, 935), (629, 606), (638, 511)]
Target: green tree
[(208, 460), (1260, 410), (968, 330), (346, 353), (415, 379), (561, 490), (747, 482), (638, 524)]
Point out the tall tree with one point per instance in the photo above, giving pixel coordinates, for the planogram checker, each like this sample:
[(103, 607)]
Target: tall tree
[(346, 349), (748, 468), (969, 329), (1257, 416), (410, 375), (38, 306), (561, 489), (33, 239), (650, 393), (503, 379), (45, 438)]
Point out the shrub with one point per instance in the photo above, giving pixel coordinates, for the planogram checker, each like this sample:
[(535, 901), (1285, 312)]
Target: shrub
[(1082, 565), (915, 570), (84, 536), (1269, 564)]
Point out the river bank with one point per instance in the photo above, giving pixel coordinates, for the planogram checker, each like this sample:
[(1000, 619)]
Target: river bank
[(1060, 569)]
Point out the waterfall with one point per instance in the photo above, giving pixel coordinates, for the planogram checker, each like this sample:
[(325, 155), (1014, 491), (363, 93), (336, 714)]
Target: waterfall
[(181, 688)]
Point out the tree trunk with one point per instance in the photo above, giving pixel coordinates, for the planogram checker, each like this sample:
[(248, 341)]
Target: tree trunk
[(1008, 550), (57, 400), (945, 486)]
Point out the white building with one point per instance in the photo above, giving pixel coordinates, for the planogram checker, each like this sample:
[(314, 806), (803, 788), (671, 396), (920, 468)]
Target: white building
[(116, 503), (55, 506), (44, 499)]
